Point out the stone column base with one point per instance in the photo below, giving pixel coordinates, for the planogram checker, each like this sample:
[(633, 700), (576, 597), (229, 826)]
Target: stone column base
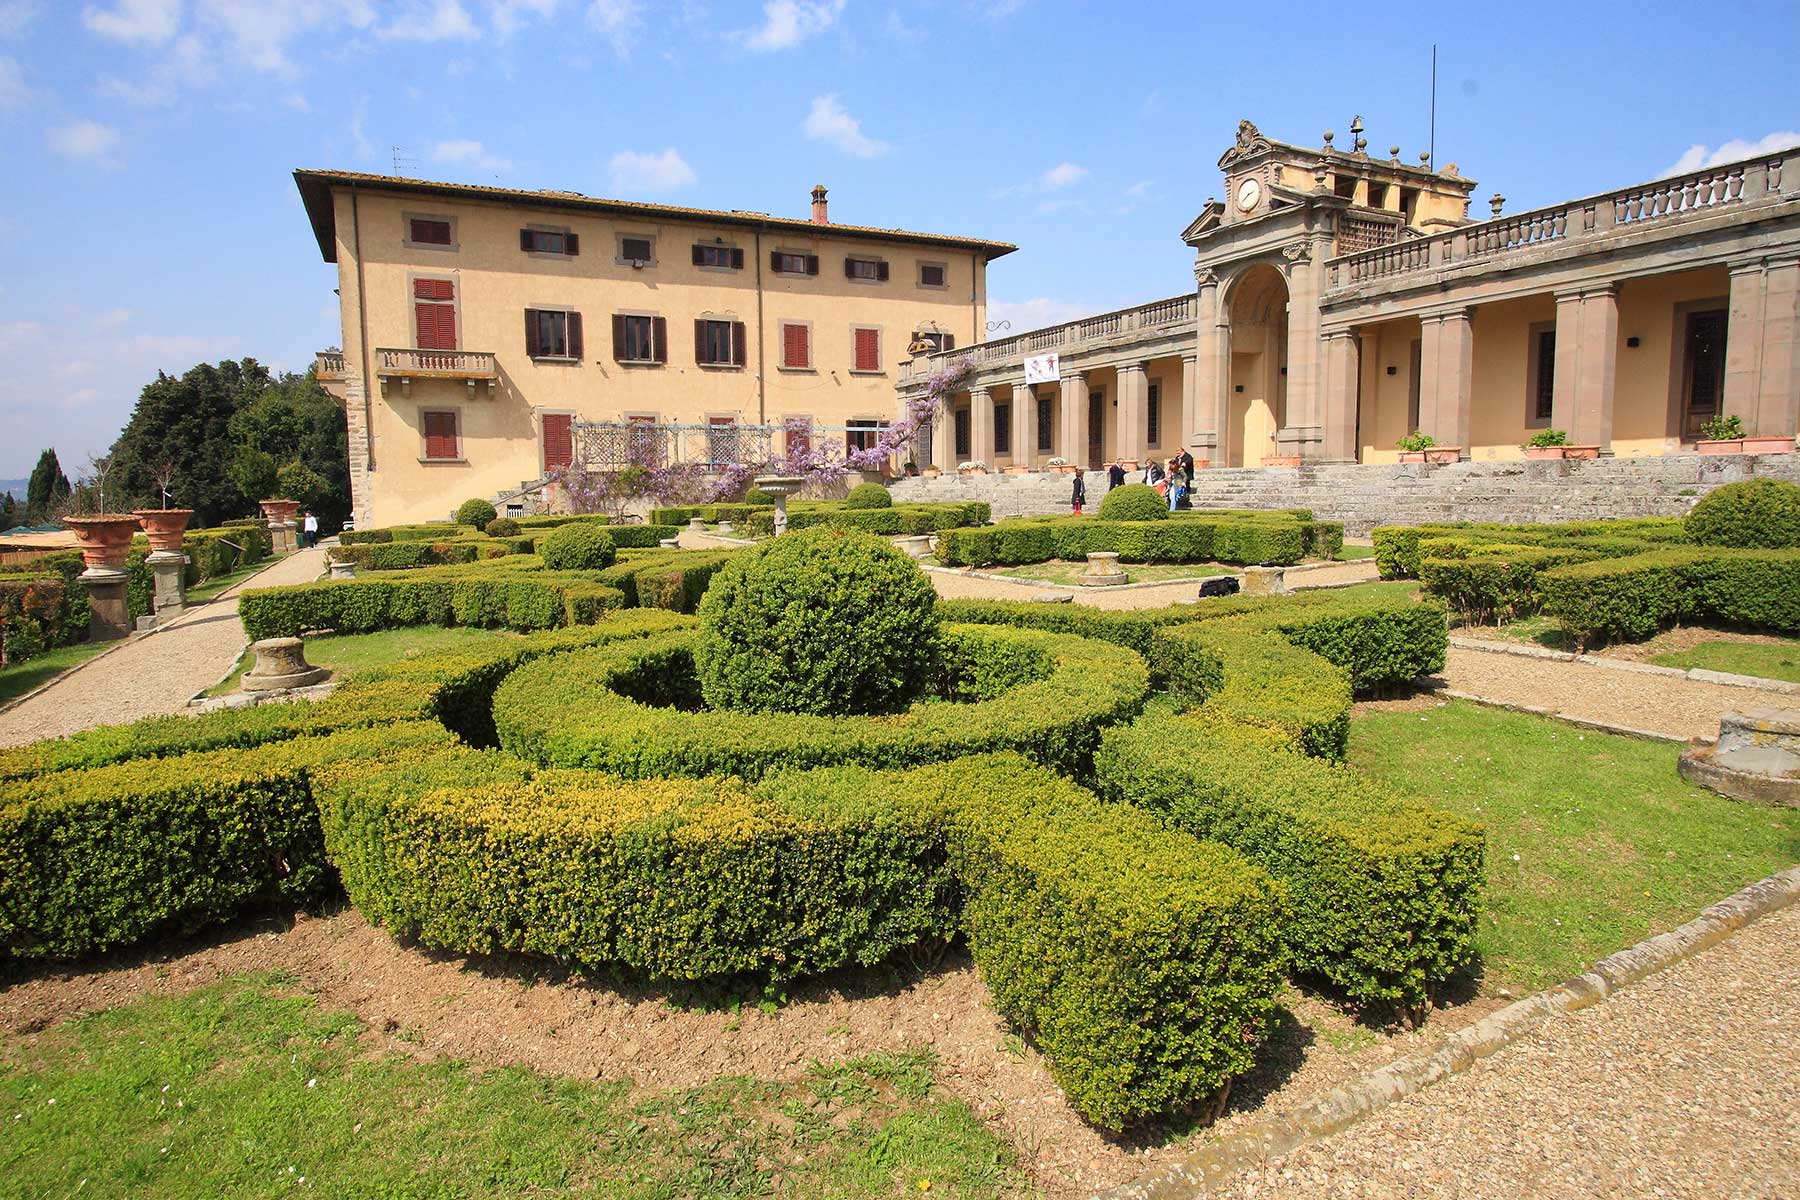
[(169, 570), (109, 615)]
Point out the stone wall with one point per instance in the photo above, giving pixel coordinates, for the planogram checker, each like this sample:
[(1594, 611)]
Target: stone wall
[(1363, 497)]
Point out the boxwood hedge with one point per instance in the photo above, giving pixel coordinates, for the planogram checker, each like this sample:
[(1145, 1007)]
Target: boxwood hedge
[(1631, 598), (1181, 539)]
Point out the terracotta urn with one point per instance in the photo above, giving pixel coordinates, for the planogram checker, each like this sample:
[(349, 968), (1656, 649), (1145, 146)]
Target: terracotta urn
[(930, 472), (164, 526), (105, 538), (279, 510)]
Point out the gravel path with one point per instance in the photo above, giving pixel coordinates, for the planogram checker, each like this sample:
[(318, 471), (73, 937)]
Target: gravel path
[(1680, 1086), (1683, 708), (153, 675)]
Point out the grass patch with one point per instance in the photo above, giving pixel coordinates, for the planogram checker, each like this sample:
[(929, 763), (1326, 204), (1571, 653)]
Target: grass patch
[(1058, 571), (246, 1088), (1764, 659), (348, 652), (33, 673), (1594, 842), (1351, 551)]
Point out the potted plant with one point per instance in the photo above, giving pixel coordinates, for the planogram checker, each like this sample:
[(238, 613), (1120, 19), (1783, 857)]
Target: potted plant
[(1421, 447), (1721, 434), (1016, 469), (1554, 443), (972, 467), (1061, 465), (164, 527), (930, 472), (1768, 445)]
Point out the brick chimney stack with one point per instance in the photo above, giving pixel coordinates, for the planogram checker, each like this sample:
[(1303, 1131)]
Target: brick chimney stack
[(818, 194)]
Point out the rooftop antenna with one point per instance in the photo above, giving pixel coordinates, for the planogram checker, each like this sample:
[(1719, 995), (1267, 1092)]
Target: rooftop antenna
[(403, 163), (1433, 150)]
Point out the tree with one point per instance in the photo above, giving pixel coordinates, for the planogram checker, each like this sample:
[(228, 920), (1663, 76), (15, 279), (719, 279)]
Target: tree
[(253, 472), (297, 481), (48, 487), (9, 512), (187, 421), (294, 420)]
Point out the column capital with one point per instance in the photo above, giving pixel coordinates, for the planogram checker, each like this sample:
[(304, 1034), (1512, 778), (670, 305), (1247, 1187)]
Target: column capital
[(1460, 312), (1205, 277), (1190, 358), (1762, 263), (1137, 368), (1587, 291), (979, 391), (1346, 331)]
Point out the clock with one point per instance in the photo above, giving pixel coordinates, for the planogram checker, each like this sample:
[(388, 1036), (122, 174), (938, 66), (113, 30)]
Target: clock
[(1248, 193)]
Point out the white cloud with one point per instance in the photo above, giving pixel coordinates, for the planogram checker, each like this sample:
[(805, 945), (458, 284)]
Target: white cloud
[(635, 172), (828, 122), (618, 21), (1698, 157), (509, 16), (16, 16), (1035, 313), (787, 23), (83, 140), (431, 21), (13, 92), (1062, 175), (183, 64), (464, 152), (359, 138), (141, 22)]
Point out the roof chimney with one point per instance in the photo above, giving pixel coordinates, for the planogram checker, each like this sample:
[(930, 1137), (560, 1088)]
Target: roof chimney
[(819, 217)]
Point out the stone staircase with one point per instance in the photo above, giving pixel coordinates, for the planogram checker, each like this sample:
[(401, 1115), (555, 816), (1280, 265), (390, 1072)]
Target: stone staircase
[(1363, 497)]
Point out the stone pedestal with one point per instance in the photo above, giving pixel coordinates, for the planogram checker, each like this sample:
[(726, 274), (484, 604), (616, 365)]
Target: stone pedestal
[(169, 569), (343, 570), (1103, 570), (780, 487), (109, 617), (726, 527), (282, 524), (696, 525), (916, 545), (1756, 758), (1265, 581), (281, 664), (669, 543)]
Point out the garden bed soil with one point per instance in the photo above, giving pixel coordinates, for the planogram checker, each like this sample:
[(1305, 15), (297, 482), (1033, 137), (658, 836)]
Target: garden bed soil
[(504, 1010)]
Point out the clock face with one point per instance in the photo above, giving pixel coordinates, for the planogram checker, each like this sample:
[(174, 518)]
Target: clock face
[(1248, 193)]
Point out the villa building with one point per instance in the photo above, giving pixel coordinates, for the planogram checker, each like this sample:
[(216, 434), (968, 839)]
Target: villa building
[(1343, 300), (484, 327)]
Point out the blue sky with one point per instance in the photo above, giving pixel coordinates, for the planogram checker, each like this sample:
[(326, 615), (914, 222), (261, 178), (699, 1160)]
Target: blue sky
[(151, 222)]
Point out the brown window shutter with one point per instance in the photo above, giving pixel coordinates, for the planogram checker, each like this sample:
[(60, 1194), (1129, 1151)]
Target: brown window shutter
[(849, 268), (526, 240), (618, 337), (737, 343), (699, 336), (559, 441), (659, 339), (774, 260), (533, 347), (812, 264), (434, 289), (881, 271), (699, 255), (575, 346), (572, 244), (737, 258), (949, 341)]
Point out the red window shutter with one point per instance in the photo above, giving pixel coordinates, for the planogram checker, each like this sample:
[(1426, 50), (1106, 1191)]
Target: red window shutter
[(794, 348), (659, 340), (868, 350), (434, 289), (737, 258), (440, 435), (737, 343), (812, 264), (446, 326), (576, 350), (559, 441), (571, 244), (533, 347), (618, 338)]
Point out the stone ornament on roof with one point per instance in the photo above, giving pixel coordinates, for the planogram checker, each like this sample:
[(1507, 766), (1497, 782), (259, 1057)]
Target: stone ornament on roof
[(1250, 140)]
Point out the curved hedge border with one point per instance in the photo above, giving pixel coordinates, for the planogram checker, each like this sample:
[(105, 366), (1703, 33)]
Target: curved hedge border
[(640, 717)]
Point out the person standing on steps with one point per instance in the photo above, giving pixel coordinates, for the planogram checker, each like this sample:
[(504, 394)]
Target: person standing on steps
[(1115, 474), (1078, 496)]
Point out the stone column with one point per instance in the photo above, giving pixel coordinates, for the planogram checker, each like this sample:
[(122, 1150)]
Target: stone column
[(943, 437), (1212, 373), (981, 426), (1024, 426), (1446, 370), (1762, 359), (362, 455), (1302, 429), (1587, 360), (1190, 411), (1075, 419), (170, 595), (1134, 413), (1343, 370)]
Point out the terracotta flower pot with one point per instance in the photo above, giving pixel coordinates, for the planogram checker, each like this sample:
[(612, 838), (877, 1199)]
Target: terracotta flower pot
[(104, 539), (1067, 469), (279, 510), (1015, 470), (1768, 445), (164, 526), (1721, 446), (1412, 456), (1543, 452), (1581, 451), (930, 472), (1443, 454), (1281, 460)]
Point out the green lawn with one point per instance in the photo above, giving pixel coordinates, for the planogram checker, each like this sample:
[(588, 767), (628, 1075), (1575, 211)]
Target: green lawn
[(1594, 842), (207, 589), (246, 1089), (19, 678), (355, 651), (1057, 571), (1769, 661), (1353, 552)]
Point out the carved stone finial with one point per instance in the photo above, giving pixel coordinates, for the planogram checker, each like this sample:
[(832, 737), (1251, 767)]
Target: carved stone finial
[(1320, 170), (1495, 202), (1425, 158), (1328, 136), (1248, 135), (1394, 155)]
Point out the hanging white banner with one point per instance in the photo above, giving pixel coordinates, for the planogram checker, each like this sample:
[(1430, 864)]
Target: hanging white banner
[(1043, 368)]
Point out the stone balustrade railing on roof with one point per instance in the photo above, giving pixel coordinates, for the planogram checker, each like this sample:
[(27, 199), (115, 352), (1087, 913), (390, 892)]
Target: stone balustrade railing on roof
[(1174, 314), (1665, 201)]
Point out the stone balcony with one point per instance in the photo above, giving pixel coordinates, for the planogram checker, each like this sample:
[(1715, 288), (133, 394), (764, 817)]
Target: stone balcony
[(1108, 340), (472, 367)]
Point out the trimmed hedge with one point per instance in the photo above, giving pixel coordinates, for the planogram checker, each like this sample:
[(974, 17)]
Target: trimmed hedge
[(501, 527), (1492, 580), (1133, 502), (1631, 598), (868, 495), (578, 547), (1182, 539), (908, 519), (1398, 547), (476, 512), (536, 600), (672, 579), (1760, 514), (641, 717)]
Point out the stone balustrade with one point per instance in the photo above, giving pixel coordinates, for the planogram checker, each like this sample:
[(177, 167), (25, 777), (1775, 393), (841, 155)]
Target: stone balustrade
[(1174, 316)]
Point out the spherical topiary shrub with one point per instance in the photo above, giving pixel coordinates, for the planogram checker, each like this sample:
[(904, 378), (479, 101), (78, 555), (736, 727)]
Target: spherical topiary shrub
[(475, 512), (502, 527), (869, 495), (1761, 514), (759, 498), (1134, 502), (578, 546), (827, 620)]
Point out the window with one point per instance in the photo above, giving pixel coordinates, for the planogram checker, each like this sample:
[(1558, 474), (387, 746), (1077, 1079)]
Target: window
[(939, 341), (1344, 186), (434, 313), (559, 441), (1155, 412), (783, 262), (441, 441), (1378, 193), (549, 241), (636, 251), (1046, 408), (434, 233), (933, 275), (719, 257), (796, 346), (865, 349), (861, 433), (798, 435), (1541, 371), (871, 270), (718, 343), (962, 434), (1003, 428), (640, 339), (644, 447), (552, 333)]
